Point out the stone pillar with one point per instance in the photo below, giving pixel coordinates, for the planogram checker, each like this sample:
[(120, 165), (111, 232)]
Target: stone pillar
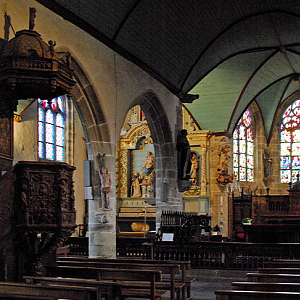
[(102, 219)]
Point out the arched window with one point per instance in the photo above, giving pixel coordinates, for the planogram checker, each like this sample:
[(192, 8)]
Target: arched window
[(243, 148), (51, 129), (290, 143)]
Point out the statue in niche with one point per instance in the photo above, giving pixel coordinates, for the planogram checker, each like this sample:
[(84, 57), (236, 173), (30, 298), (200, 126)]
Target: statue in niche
[(223, 177), (267, 163), (148, 164), (194, 168), (148, 172), (136, 191), (105, 180), (183, 148)]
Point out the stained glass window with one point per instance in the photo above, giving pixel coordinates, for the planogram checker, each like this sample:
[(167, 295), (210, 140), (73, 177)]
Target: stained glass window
[(290, 143), (243, 162), (51, 129)]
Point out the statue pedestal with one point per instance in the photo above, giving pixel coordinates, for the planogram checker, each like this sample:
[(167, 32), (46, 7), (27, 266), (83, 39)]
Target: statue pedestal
[(134, 215)]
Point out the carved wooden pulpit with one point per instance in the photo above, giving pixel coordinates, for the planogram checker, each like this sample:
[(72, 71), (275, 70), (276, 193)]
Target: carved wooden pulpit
[(46, 216), (44, 197)]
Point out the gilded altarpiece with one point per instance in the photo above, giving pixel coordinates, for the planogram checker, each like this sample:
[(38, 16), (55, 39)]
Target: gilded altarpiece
[(196, 198), (129, 142), (134, 191)]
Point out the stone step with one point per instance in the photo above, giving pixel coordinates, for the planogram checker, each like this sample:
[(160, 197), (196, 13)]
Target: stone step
[(137, 209), (136, 215), (134, 203)]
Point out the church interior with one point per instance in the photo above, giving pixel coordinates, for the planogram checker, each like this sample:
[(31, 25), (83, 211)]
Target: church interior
[(140, 122)]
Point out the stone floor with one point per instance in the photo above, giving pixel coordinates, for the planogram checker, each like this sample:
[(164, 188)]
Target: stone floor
[(210, 280)]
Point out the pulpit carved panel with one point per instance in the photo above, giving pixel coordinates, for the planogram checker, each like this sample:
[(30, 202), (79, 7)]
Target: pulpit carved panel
[(45, 208)]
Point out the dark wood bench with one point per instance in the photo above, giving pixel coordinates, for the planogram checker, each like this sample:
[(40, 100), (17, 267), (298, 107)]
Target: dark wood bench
[(45, 291), (108, 289), (264, 277), (136, 276), (168, 269), (255, 295), (5, 296), (266, 286), (279, 270), (184, 267)]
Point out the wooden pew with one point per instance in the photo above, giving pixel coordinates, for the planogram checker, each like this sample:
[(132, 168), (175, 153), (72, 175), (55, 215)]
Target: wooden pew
[(117, 274), (279, 270), (282, 264), (264, 277), (4, 296), (169, 269), (266, 286), (184, 267), (46, 291), (108, 289), (255, 295)]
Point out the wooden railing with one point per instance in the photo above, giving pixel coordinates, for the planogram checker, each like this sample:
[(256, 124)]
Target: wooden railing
[(217, 255), (78, 246), (214, 255)]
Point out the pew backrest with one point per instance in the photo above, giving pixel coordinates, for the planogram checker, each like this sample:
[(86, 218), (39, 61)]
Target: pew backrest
[(255, 295), (54, 291), (114, 274), (108, 289), (266, 286), (280, 270), (170, 269), (264, 277), (282, 264)]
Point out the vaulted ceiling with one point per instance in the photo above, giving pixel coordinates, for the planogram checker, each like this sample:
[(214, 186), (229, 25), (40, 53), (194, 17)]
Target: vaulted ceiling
[(230, 52)]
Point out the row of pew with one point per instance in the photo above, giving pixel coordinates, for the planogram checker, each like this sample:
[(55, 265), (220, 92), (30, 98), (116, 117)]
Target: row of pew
[(95, 279), (277, 280)]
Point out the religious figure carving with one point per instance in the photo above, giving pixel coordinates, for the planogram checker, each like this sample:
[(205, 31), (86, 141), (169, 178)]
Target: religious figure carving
[(32, 15), (194, 168), (183, 148), (267, 163), (148, 164), (52, 44), (148, 176), (105, 180), (7, 25), (136, 186), (223, 177)]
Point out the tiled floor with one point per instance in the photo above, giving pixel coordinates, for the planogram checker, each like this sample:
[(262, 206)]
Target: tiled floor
[(210, 280)]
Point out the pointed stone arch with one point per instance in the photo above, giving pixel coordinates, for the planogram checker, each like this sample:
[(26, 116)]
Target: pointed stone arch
[(91, 113), (165, 151), (102, 240)]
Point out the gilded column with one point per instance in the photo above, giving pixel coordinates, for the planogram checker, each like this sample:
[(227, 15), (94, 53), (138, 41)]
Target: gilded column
[(203, 170), (122, 180)]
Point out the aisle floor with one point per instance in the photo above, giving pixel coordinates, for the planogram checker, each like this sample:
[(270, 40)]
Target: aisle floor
[(210, 280)]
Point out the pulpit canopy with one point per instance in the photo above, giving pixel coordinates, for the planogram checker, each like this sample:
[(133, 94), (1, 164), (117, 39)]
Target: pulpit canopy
[(30, 68)]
